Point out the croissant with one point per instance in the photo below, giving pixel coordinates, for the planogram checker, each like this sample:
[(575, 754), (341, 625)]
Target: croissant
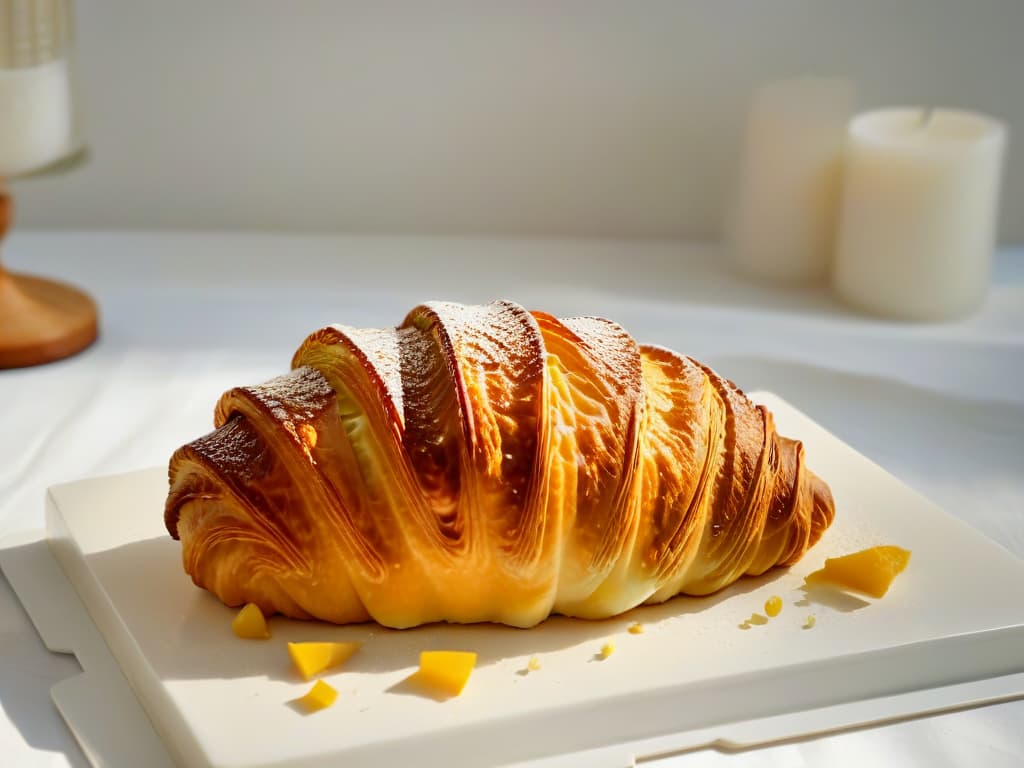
[(486, 463)]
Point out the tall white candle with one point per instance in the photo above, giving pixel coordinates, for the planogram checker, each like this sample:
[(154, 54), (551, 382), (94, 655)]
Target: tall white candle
[(35, 116), (918, 213), (783, 225)]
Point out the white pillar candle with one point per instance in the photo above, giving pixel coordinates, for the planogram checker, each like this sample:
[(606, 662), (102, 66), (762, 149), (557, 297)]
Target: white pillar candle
[(35, 116), (918, 212), (783, 225)]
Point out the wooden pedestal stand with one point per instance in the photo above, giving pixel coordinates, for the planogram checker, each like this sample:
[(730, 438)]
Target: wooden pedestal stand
[(40, 320)]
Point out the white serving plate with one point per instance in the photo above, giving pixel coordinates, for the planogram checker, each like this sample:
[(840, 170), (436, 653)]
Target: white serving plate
[(953, 624)]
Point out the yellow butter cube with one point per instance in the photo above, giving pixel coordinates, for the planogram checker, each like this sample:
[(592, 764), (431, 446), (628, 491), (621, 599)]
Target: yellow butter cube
[(320, 696), (870, 571), (250, 623), (446, 671), (312, 658)]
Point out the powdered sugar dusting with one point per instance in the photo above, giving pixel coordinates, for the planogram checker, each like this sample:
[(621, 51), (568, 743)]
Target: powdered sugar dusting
[(498, 332), (299, 395), (615, 356), (380, 347), (233, 448)]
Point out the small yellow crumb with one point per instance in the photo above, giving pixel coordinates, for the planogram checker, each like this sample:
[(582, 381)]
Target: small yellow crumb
[(636, 628), (773, 605), (870, 571), (445, 672), (810, 622), (533, 664), (250, 623), (313, 658), (320, 696), (607, 650)]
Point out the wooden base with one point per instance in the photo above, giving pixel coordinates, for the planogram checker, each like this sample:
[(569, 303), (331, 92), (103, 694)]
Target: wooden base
[(42, 320)]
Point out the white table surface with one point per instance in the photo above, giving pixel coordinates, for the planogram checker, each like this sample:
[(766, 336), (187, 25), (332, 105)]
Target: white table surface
[(186, 316)]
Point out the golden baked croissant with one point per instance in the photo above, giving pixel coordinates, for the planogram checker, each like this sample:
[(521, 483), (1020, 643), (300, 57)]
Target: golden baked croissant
[(486, 463)]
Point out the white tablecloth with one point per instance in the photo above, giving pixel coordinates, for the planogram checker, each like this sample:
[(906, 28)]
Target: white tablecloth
[(186, 316)]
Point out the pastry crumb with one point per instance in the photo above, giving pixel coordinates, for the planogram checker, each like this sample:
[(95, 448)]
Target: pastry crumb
[(810, 622), (636, 628), (320, 696), (533, 664), (606, 650), (250, 623), (310, 659), (445, 672), (773, 606)]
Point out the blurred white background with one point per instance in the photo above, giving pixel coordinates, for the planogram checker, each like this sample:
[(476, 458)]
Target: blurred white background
[(579, 117)]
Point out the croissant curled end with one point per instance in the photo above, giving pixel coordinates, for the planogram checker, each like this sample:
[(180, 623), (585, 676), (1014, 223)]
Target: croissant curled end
[(824, 509)]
